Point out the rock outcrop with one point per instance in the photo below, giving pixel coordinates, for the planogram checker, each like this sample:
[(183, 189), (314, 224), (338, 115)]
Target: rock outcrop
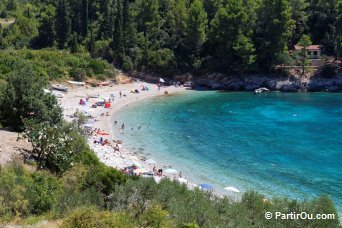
[(273, 82)]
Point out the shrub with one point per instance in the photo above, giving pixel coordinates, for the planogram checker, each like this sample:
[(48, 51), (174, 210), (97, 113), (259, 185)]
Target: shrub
[(104, 179), (328, 71), (13, 201), (91, 217), (43, 192), (97, 66), (79, 75), (72, 199), (25, 98)]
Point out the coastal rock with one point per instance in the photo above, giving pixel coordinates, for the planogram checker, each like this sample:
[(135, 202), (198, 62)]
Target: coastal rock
[(219, 81)]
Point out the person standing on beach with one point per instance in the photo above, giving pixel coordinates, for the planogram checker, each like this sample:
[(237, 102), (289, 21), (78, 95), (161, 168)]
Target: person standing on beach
[(123, 126), (120, 93)]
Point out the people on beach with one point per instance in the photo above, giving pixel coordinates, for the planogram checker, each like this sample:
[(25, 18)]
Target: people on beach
[(120, 93), (116, 148), (123, 126), (107, 114), (160, 172), (115, 122)]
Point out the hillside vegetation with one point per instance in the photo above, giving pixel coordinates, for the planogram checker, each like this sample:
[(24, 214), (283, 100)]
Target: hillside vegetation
[(56, 65), (69, 184), (178, 36)]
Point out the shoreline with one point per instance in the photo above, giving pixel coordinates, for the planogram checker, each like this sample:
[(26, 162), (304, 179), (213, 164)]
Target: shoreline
[(105, 122)]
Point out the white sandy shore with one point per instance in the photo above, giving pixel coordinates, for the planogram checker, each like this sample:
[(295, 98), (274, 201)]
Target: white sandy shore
[(70, 104)]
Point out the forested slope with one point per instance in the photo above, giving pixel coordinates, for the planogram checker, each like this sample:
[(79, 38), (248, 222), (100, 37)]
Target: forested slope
[(176, 36)]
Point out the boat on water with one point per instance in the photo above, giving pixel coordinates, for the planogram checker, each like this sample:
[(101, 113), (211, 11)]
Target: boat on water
[(188, 84), (260, 90), (77, 83), (60, 87)]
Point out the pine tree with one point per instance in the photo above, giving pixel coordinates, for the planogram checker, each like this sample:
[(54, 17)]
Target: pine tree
[(105, 30), (299, 16), (322, 17), (230, 37), (273, 30), (197, 24), (74, 46), (84, 18), (46, 29), (62, 25), (305, 42), (118, 35)]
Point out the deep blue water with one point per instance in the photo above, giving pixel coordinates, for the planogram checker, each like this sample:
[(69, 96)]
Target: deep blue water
[(280, 144)]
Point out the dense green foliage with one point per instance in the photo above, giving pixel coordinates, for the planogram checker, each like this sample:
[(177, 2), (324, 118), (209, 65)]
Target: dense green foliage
[(55, 65), (161, 36), (140, 203), (23, 97), (176, 36)]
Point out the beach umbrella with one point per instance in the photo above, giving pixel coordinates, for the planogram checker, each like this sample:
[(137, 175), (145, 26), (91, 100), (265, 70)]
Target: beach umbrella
[(206, 186), (232, 189), (161, 80), (151, 162), (170, 171), (182, 180)]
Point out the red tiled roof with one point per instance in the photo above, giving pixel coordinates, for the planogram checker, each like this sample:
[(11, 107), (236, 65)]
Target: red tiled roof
[(310, 48)]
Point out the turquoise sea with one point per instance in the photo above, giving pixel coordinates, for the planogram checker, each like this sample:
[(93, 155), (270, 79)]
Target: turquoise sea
[(280, 144)]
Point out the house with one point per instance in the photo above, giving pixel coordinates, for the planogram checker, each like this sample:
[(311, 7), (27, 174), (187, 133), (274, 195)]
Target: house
[(313, 51)]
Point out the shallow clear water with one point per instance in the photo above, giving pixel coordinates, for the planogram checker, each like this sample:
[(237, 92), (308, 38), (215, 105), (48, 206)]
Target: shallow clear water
[(280, 144)]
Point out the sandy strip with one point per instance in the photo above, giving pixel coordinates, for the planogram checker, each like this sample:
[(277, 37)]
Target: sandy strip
[(70, 104)]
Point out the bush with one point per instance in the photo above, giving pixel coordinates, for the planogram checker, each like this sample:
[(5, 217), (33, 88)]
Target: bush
[(72, 199), (97, 66), (79, 75), (91, 217), (43, 192), (13, 201), (56, 64), (104, 179), (328, 71), (25, 98)]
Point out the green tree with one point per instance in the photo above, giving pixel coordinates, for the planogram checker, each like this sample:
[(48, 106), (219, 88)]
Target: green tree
[(25, 98), (197, 24), (63, 24), (304, 42), (322, 16), (84, 18), (56, 147), (46, 29), (234, 49), (273, 29), (118, 38), (299, 16)]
